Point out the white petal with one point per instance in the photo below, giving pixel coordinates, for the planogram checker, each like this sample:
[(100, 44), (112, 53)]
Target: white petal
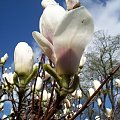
[(50, 18), (71, 37), (45, 45)]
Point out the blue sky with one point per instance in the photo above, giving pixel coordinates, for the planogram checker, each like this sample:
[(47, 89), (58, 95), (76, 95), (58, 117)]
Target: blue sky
[(18, 18)]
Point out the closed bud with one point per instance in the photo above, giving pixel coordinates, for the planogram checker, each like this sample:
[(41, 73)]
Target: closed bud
[(23, 59), (117, 82), (108, 112), (99, 102), (91, 91), (39, 83), (4, 58), (79, 94), (97, 117), (45, 3), (82, 61), (96, 84), (45, 95)]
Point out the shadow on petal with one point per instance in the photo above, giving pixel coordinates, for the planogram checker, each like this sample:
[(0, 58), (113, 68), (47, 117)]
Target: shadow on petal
[(45, 45)]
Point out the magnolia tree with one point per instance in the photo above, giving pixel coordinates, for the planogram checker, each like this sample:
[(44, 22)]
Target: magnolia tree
[(50, 89)]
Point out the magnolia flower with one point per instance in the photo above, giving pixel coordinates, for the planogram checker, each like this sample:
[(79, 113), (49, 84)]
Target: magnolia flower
[(4, 58), (82, 61), (74, 93), (64, 36), (45, 95), (79, 94), (48, 95), (108, 112), (96, 84), (97, 117), (23, 59), (45, 3), (91, 91), (39, 83), (117, 82), (99, 102), (79, 106), (72, 3)]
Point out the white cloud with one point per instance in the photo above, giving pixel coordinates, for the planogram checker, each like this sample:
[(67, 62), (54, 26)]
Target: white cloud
[(106, 17)]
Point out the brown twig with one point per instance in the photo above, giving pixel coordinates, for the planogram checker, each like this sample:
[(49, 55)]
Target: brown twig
[(49, 101), (95, 93)]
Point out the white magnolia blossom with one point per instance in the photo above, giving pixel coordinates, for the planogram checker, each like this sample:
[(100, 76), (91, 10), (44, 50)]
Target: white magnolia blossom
[(99, 101), (97, 117), (48, 95), (117, 82), (79, 94), (71, 3), (96, 84), (4, 58), (39, 83), (79, 106), (45, 3), (35, 66), (91, 91), (45, 95), (64, 35), (74, 93), (82, 61), (108, 112), (23, 59)]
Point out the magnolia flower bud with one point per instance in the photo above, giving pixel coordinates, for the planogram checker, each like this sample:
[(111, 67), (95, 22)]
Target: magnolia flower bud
[(82, 61), (91, 91), (99, 102), (108, 112), (48, 95), (74, 93), (79, 94), (4, 58), (96, 84), (45, 95), (72, 3), (45, 3), (117, 82), (97, 117), (23, 59), (35, 66), (79, 106), (39, 83)]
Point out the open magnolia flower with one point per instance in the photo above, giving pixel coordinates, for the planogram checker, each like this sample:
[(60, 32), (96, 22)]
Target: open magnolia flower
[(64, 36)]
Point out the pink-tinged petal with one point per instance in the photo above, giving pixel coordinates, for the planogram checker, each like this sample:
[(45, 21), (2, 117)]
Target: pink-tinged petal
[(45, 45), (71, 37), (50, 18)]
